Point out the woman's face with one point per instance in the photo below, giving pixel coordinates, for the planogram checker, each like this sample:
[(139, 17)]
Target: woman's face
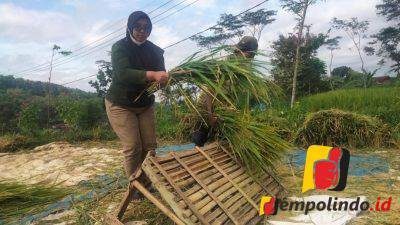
[(141, 30)]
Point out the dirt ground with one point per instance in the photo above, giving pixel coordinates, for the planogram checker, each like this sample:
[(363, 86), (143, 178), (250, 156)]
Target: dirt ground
[(66, 165)]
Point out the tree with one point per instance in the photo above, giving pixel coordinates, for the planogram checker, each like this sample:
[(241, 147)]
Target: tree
[(386, 43), (311, 69), (333, 44), (299, 9), (256, 21), (230, 26), (356, 31), (341, 72), (390, 9), (104, 78)]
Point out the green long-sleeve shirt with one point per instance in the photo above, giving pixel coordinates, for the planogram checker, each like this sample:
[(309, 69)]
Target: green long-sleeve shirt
[(130, 63)]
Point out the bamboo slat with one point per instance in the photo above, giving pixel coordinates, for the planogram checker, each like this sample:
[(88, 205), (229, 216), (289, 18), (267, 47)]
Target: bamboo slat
[(208, 186)]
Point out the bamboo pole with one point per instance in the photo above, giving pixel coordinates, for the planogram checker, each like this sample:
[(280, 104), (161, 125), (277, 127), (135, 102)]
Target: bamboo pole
[(156, 202)]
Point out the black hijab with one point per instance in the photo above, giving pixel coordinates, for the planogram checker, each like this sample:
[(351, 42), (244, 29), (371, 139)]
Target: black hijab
[(146, 56), (133, 18)]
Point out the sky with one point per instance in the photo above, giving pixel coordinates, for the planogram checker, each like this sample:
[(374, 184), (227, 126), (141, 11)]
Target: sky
[(88, 28)]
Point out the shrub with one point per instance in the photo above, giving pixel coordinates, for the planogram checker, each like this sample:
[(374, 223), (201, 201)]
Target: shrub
[(12, 143), (81, 113), (168, 125), (340, 128), (396, 136), (33, 117)]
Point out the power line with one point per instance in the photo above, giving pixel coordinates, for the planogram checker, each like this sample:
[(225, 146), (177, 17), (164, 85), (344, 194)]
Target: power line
[(185, 39), (102, 45), (170, 8), (83, 78), (35, 68), (200, 32), (81, 54), (176, 11), (166, 3)]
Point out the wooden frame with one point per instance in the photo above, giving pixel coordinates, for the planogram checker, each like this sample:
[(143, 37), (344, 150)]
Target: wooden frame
[(202, 186)]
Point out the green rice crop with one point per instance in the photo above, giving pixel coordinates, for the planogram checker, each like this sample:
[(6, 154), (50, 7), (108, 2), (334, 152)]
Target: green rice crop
[(381, 102)]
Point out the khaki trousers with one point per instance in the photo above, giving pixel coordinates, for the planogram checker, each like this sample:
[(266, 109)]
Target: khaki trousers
[(135, 127)]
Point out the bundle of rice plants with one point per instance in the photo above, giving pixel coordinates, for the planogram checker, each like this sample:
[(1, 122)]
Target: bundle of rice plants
[(256, 144), (233, 83), (382, 102), (341, 128), (18, 200), (227, 79)]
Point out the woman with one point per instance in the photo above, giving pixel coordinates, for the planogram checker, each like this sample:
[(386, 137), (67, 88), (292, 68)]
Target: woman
[(136, 64)]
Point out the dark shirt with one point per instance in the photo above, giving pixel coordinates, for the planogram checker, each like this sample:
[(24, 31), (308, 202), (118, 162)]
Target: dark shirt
[(130, 63)]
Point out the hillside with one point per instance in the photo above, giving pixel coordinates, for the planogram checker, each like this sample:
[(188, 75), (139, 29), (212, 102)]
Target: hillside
[(38, 88), (24, 104)]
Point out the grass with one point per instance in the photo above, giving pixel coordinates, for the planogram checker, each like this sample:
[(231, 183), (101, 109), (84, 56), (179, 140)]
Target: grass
[(382, 102), (168, 125)]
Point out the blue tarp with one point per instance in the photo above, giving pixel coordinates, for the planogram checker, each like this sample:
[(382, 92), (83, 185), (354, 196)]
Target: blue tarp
[(360, 165)]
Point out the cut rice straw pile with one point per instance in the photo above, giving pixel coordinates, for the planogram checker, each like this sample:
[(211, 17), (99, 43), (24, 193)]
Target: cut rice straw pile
[(18, 200)]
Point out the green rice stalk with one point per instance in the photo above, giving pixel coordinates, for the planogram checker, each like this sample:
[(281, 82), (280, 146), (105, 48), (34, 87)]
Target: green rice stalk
[(233, 83), (256, 144), (226, 78), (18, 200)]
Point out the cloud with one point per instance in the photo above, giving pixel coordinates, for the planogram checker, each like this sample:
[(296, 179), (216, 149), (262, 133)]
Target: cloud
[(163, 36), (320, 16), (18, 24), (27, 34)]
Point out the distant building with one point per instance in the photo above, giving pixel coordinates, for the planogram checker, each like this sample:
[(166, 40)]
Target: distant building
[(382, 80)]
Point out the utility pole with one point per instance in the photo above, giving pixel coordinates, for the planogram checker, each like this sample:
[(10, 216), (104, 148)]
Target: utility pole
[(55, 50)]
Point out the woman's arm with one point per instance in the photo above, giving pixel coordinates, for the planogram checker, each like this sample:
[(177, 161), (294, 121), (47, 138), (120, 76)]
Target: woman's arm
[(121, 66), (125, 74), (212, 119)]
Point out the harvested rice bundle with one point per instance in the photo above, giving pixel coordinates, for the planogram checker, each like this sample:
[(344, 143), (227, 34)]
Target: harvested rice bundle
[(256, 144), (18, 200), (227, 79), (340, 128), (233, 82)]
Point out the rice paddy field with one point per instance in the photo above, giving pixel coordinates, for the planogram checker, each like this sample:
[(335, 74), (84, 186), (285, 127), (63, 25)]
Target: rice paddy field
[(33, 180), (382, 102)]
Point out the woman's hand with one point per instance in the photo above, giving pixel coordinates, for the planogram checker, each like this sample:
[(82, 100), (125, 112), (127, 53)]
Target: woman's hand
[(160, 77)]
